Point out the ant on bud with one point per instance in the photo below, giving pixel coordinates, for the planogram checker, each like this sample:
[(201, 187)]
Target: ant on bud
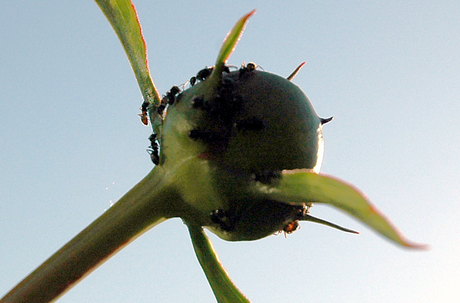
[(224, 219), (291, 227), (247, 68), (204, 73), (170, 97), (251, 66)]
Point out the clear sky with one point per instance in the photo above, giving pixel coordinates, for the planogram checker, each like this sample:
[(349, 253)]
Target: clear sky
[(71, 143)]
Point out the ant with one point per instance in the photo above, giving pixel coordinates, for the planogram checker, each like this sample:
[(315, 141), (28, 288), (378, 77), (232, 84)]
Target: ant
[(160, 109), (143, 115), (294, 225), (291, 227), (266, 176), (204, 135), (204, 73), (153, 149), (251, 66), (170, 97), (250, 124), (224, 218), (247, 68), (197, 102)]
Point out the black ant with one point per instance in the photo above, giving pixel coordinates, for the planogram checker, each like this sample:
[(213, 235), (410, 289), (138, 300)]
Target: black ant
[(153, 149), (197, 102), (251, 66), (250, 124), (161, 109), (170, 97), (266, 176), (204, 135), (247, 68), (224, 218), (204, 73)]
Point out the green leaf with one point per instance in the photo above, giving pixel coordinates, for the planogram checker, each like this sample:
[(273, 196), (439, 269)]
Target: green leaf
[(302, 185), (123, 18), (221, 284)]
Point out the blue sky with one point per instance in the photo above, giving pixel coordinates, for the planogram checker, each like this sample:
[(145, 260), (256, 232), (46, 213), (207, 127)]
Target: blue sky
[(72, 143)]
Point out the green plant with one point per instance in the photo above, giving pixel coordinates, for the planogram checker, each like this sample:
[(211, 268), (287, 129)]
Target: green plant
[(201, 133)]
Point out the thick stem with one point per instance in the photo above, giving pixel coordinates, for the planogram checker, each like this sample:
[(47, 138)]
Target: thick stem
[(143, 207)]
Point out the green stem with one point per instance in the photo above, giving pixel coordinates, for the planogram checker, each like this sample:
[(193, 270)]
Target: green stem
[(221, 284), (144, 206)]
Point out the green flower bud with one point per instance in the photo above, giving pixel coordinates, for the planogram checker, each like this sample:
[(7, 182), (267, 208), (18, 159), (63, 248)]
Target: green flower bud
[(217, 138)]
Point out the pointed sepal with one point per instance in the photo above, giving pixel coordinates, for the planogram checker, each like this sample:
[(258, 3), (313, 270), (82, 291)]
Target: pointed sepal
[(230, 42)]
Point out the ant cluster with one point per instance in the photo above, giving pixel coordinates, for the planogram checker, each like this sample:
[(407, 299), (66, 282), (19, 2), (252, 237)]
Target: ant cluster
[(222, 109), (203, 74), (168, 99), (227, 220)]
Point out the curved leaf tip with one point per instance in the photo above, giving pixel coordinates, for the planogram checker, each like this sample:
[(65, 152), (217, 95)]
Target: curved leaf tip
[(303, 185)]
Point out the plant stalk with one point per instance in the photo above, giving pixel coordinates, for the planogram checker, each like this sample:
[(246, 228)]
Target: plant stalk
[(144, 206)]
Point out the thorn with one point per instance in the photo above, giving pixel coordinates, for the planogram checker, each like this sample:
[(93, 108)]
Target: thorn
[(324, 222), (325, 120), (294, 73)]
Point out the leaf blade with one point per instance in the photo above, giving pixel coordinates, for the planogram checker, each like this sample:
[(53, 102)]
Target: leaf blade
[(123, 17), (221, 284)]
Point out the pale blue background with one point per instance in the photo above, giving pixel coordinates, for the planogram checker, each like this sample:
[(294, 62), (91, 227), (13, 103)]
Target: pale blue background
[(71, 142)]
